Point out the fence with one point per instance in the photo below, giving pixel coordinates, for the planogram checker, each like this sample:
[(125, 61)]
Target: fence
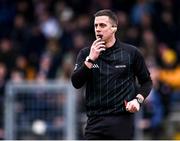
[(40, 111)]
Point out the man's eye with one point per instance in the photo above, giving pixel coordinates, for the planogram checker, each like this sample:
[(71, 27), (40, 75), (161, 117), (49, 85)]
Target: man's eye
[(102, 25)]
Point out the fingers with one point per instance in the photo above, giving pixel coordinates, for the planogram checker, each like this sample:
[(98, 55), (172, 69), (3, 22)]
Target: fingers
[(100, 49), (96, 41), (100, 43), (132, 106), (131, 109), (97, 47)]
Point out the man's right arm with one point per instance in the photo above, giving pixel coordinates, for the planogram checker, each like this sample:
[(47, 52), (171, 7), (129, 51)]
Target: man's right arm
[(83, 66), (82, 71)]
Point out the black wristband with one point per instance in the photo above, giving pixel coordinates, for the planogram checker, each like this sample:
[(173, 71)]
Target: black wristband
[(88, 59), (139, 100)]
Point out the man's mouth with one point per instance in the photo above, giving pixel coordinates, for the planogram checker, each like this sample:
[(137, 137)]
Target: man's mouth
[(100, 36)]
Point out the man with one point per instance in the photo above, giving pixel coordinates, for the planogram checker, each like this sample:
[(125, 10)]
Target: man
[(109, 69)]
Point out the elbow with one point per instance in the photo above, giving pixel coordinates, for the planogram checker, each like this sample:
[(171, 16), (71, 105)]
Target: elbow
[(75, 83), (150, 83)]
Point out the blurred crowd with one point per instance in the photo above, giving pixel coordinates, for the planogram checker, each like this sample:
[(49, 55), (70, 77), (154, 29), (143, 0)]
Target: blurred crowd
[(39, 40)]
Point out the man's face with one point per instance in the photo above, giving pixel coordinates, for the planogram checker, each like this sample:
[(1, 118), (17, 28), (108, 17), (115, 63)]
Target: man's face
[(103, 27)]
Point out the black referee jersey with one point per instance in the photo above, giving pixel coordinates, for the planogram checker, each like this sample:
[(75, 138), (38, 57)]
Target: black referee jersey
[(112, 80)]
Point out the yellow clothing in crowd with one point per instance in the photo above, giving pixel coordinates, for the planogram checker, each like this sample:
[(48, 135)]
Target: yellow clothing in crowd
[(171, 77)]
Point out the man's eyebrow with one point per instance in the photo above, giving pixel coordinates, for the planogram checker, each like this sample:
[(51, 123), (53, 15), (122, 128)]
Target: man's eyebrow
[(101, 24)]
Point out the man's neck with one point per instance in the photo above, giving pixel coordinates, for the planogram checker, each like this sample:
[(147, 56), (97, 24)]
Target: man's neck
[(110, 43)]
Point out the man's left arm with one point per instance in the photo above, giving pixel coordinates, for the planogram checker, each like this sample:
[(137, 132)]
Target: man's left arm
[(142, 73)]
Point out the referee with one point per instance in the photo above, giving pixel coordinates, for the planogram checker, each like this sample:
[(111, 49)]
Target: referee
[(109, 69)]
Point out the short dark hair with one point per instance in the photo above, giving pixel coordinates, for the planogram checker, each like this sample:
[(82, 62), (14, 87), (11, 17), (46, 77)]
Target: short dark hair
[(109, 13)]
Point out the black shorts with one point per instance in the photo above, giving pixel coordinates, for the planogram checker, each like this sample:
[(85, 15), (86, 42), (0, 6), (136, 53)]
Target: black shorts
[(115, 127)]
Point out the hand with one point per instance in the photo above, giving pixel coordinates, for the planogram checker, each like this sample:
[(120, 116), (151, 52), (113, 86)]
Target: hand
[(96, 48), (132, 106)]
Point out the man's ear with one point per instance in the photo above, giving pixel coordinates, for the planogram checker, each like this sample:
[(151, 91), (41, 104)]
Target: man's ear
[(114, 28)]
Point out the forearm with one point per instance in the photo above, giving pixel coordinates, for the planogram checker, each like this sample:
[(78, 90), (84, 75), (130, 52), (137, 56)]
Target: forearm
[(80, 76), (134, 105), (145, 88)]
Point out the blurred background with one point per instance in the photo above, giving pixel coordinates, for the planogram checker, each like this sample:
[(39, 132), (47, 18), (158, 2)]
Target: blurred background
[(39, 41)]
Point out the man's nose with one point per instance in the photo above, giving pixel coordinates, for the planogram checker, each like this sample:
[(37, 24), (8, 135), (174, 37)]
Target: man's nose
[(98, 29)]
